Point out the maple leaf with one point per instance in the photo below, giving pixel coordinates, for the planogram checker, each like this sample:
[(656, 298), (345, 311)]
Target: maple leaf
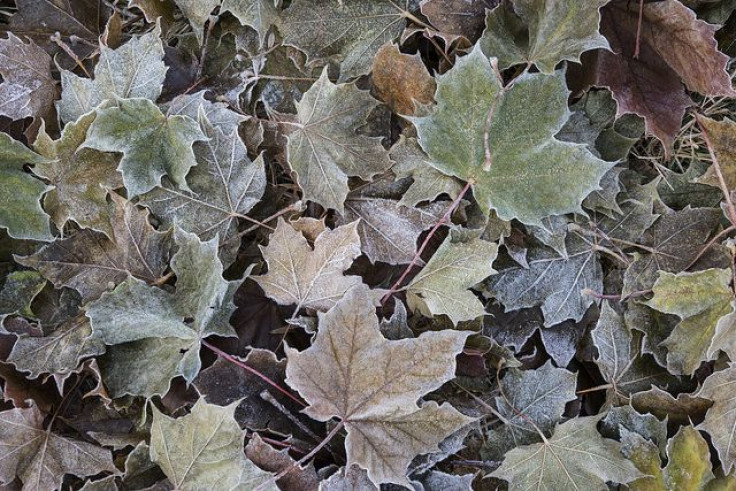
[(388, 230), (350, 32), (620, 359), (722, 135), (673, 242), (152, 144), (298, 274), (552, 281), (258, 14), (458, 17), (474, 134), (28, 88), (88, 261), (224, 185), (400, 79), (21, 213), (353, 373), (441, 287), (81, 177), (540, 396), (160, 332), (41, 458), (217, 114), (197, 13), (700, 299), (556, 31), (688, 463), (427, 182), (720, 420), (324, 149), (58, 352), (136, 69), (203, 449), (576, 456), (266, 457), (674, 48), (40, 20)]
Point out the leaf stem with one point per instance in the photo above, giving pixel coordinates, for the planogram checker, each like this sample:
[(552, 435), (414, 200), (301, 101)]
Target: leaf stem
[(252, 370), (639, 23), (304, 459), (431, 233)]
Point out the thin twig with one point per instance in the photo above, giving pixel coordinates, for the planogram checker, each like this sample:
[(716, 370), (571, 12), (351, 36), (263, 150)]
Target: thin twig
[(709, 245), (253, 371), (638, 29), (431, 233), (56, 38), (268, 397)]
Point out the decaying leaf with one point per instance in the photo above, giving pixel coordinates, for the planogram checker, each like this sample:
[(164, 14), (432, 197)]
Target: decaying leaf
[(400, 79), (557, 31), (203, 449), (153, 325), (353, 373), (576, 456), (89, 262), (41, 458), (306, 277), (473, 134), (720, 420), (324, 149)]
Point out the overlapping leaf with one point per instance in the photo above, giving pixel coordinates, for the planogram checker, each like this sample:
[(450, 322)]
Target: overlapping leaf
[(474, 134), (352, 372)]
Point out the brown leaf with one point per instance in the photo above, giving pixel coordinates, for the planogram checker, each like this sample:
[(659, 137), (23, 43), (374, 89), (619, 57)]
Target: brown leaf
[(91, 263), (28, 89), (224, 383), (399, 79), (41, 458), (459, 17), (41, 19), (267, 458), (352, 372), (722, 135), (675, 48)]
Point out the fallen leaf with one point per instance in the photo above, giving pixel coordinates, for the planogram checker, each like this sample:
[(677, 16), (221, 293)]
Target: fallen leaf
[(305, 277), (352, 372), (202, 449), (720, 420), (325, 149), (473, 134), (400, 79)]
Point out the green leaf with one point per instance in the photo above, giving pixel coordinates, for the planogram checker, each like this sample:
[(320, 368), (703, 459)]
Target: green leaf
[(427, 182), (135, 69), (720, 420), (152, 144), (204, 449), (41, 458), (81, 177), (700, 299), (353, 373), (224, 185), (305, 277), (139, 313), (441, 287), (324, 149), (554, 282), (89, 262), (350, 32), (258, 14), (575, 457), (502, 141), (540, 396), (21, 213), (557, 31)]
